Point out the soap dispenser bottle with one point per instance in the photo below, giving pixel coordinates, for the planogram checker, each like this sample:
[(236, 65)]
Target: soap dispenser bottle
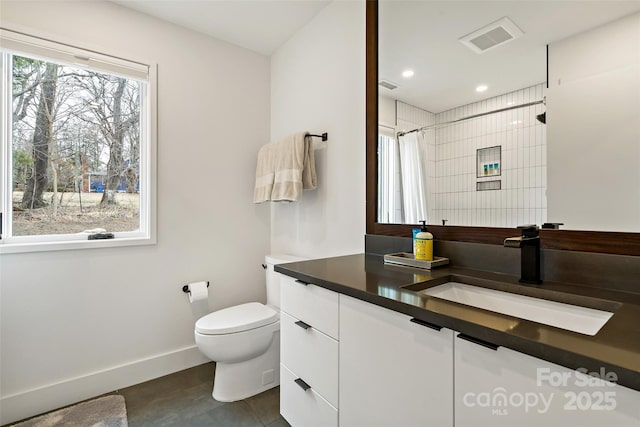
[(424, 244)]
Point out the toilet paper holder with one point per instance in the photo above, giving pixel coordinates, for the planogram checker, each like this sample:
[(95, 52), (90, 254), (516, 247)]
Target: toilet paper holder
[(186, 289)]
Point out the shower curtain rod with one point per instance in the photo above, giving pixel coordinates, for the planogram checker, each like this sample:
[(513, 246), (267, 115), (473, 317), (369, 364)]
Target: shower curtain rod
[(528, 104)]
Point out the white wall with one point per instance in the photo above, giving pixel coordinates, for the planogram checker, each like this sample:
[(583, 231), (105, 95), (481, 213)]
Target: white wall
[(79, 323), (387, 112), (318, 84), (593, 112)]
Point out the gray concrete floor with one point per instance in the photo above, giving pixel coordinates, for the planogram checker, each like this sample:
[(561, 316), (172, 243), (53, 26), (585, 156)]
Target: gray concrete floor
[(183, 399)]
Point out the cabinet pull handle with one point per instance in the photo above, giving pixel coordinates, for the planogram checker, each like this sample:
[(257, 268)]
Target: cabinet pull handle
[(301, 282), (427, 324), (478, 341), (303, 325), (302, 384)]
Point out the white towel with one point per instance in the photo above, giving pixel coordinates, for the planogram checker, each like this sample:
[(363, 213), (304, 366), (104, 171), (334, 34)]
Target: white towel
[(285, 169)]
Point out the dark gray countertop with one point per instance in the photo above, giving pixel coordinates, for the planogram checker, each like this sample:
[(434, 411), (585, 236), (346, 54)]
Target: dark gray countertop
[(616, 347)]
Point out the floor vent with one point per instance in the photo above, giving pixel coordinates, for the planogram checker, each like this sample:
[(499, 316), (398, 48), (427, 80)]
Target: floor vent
[(495, 34)]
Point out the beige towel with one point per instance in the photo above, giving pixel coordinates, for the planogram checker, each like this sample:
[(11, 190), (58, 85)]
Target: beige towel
[(265, 172), (285, 169), (309, 178)]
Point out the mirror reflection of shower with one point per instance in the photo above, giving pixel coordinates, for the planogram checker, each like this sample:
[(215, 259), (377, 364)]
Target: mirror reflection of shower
[(429, 169)]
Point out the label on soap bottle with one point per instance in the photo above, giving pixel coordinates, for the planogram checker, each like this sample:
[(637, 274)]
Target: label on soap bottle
[(424, 249)]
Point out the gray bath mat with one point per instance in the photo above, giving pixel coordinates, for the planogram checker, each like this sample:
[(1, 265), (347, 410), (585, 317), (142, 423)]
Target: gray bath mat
[(106, 411)]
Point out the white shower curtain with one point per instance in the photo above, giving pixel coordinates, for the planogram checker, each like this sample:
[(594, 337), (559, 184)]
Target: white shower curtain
[(413, 159)]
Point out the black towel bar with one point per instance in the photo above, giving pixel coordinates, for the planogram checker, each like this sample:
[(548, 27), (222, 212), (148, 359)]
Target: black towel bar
[(324, 136)]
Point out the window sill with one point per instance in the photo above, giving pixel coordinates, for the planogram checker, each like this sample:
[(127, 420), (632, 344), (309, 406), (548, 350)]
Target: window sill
[(25, 247)]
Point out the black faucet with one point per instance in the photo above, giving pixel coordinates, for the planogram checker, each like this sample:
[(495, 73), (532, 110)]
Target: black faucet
[(529, 243)]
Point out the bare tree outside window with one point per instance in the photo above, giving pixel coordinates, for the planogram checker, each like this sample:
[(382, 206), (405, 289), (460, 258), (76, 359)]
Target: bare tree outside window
[(76, 149)]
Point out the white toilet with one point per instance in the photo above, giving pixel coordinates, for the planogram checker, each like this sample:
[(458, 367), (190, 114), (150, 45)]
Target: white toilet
[(244, 341)]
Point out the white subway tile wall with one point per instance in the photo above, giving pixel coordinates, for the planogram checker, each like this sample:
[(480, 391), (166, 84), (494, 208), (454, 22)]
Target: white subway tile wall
[(452, 194), (522, 169)]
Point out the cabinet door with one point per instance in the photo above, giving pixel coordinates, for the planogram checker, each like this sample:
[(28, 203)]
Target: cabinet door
[(503, 387), (393, 372)]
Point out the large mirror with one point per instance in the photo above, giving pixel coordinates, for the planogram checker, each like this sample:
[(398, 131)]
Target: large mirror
[(501, 113)]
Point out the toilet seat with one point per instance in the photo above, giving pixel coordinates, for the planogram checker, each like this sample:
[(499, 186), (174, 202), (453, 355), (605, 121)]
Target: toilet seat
[(238, 318)]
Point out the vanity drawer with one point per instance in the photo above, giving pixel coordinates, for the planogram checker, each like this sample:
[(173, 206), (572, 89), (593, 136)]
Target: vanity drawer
[(304, 408), (312, 304), (311, 355)]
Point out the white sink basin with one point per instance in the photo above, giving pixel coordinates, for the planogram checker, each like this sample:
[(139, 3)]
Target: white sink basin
[(566, 316)]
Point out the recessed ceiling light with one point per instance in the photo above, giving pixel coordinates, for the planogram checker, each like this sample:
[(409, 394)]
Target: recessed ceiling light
[(482, 88), (407, 73)]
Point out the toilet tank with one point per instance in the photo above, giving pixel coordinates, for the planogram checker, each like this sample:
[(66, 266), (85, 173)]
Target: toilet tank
[(273, 278)]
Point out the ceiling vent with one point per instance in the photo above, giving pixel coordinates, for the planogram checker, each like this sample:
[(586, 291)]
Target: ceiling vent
[(388, 85), (492, 35)]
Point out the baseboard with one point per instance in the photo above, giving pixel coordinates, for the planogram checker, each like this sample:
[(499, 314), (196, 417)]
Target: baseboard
[(52, 396)]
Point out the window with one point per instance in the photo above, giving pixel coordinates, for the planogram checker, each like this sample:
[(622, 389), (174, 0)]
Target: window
[(389, 178), (77, 147)]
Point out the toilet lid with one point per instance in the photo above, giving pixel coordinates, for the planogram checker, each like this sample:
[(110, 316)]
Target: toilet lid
[(236, 319)]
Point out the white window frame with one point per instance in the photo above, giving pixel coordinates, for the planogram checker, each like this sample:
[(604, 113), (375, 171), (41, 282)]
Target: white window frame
[(31, 45)]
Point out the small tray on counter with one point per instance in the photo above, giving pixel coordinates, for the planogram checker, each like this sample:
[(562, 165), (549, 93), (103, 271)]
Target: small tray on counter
[(408, 259)]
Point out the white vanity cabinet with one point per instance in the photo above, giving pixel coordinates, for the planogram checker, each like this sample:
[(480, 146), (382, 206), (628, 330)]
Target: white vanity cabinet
[(308, 354), (502, 387), (393, 372), (350, 363)]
